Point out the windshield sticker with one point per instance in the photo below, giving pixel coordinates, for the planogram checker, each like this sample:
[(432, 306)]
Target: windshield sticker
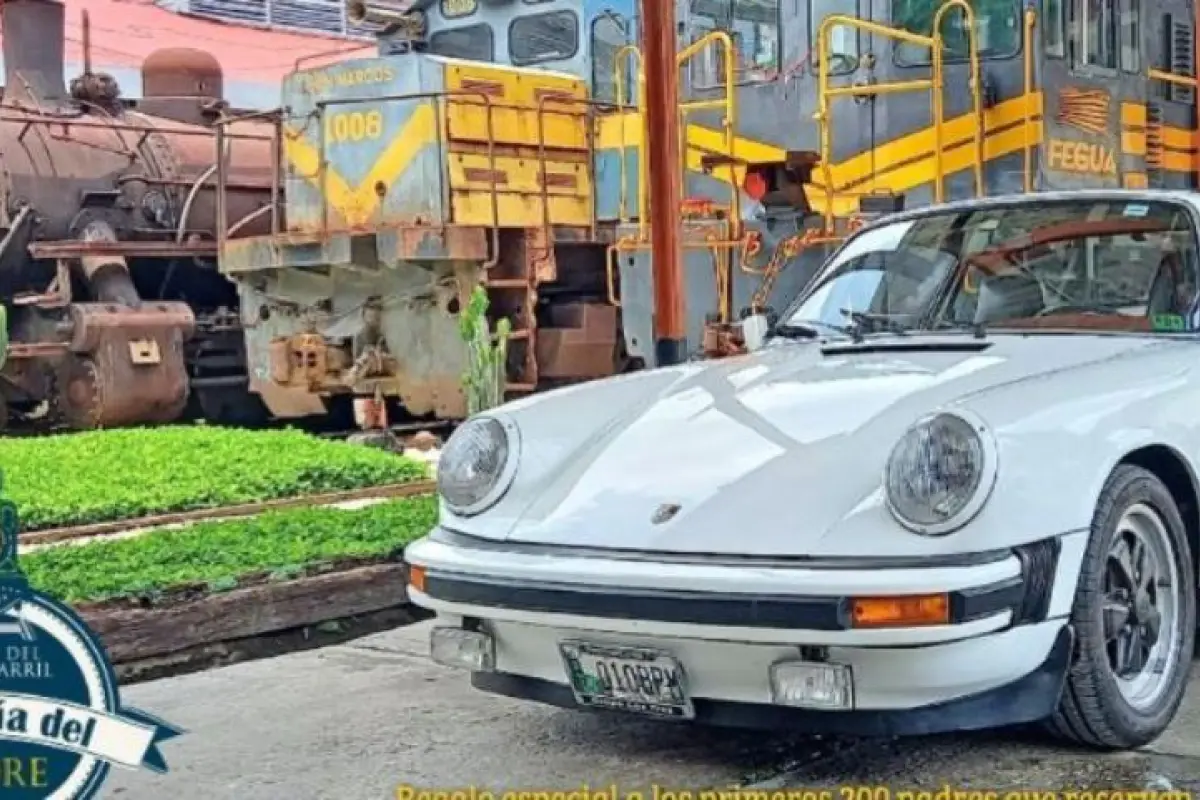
[(1137, 210), (1167, 323)]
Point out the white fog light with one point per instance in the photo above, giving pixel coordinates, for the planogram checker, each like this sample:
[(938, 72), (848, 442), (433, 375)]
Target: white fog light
[(454, 647), (829, 687)]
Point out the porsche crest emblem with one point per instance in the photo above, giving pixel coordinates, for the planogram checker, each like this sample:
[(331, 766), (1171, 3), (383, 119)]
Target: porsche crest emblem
[(664, 513)]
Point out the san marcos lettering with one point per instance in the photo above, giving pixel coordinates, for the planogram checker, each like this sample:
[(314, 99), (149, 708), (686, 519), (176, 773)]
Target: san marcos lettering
[(324, 81)]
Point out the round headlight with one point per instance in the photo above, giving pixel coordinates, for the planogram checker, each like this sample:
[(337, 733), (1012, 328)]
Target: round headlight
[(477, 465), (940, 473)]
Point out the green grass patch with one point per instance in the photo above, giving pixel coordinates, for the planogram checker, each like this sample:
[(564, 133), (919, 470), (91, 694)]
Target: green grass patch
[(100, 476), (218, 554)]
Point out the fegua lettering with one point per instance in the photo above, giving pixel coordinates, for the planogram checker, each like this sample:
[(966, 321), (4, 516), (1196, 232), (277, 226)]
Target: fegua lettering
[(1086, 158)]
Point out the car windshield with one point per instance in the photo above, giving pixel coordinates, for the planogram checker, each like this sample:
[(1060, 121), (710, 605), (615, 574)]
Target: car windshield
[(1107, 265)]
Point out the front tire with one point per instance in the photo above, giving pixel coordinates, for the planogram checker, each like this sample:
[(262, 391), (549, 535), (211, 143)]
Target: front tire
[(1134, 618)]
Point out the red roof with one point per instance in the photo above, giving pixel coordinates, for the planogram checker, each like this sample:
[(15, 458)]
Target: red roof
[(124, 32)]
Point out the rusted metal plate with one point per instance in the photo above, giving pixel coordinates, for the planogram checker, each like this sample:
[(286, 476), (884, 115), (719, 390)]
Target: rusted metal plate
[(279, 252), (75, 248), (416, 320), (127, 364), (288, 402), (93, 322), (361, 146), (510, 113), (37, 350), (581, 344), (393, 246), (422, 243)]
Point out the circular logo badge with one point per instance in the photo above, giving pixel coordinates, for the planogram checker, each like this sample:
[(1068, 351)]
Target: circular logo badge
[(61, 720)]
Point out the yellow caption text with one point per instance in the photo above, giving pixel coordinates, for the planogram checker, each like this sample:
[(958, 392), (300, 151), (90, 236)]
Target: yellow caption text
[(847, 792)]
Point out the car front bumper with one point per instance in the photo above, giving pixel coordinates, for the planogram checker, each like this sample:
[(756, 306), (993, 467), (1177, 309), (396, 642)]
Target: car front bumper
[(1001, 659)]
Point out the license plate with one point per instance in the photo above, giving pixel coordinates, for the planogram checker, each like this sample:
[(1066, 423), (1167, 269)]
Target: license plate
[(627, 679)]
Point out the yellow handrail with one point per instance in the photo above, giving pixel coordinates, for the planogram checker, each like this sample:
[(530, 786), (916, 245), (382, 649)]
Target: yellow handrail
[(934, 84), (1030, 23), (976, 96), (728, 103), (1170, 77), (724, 42)]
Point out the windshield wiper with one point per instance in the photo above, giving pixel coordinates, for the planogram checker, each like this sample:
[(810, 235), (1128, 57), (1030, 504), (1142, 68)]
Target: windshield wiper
[(977, 329), (806, 329), (866, 322)]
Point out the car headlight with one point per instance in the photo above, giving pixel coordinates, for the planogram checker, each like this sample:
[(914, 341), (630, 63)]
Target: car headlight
[(940, 473), (477, 464)]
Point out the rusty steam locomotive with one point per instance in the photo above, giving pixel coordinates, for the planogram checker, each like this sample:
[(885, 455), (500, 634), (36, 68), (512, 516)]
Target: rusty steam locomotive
[(108, 218)]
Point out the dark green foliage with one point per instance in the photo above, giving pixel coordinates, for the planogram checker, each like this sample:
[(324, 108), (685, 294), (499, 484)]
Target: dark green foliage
[(102, 476), (215, 555)]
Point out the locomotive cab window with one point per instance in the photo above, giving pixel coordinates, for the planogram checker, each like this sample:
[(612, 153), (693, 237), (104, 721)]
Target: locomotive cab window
[(754, 27), (997, 30), (609, 35), (1093, 34), (1129, 35), (470, 42), (1054, 27), (537, 38), (842, 41)]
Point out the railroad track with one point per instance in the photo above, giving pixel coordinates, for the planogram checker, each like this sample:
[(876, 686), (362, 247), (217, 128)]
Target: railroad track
[(405, 429), (18, 428), (63, 534)]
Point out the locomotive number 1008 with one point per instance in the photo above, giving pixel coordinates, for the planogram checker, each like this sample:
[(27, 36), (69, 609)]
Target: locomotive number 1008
[(353, 126)]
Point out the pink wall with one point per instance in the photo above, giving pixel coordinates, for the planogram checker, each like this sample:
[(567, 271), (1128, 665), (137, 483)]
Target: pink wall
[(124, 32)]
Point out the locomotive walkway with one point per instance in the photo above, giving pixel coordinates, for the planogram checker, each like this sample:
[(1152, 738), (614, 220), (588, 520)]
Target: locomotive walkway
[(351, 722)]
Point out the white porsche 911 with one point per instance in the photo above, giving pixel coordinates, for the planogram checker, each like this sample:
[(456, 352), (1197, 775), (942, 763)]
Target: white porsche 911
[(954, 488)]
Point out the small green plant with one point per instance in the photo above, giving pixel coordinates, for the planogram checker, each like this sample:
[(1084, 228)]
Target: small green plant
[(484, 380)]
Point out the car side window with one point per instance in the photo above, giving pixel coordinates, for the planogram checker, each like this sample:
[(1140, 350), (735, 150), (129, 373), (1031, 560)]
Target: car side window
[(1150, 274)]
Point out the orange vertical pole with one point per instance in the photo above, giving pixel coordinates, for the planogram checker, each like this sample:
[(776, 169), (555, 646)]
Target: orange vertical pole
[(662, 149)]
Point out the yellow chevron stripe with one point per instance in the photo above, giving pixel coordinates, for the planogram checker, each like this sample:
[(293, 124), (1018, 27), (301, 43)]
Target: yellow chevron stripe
[(870, 170), (357, 205)]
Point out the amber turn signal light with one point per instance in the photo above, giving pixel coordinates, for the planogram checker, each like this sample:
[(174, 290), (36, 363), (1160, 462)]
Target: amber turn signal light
[(900, 612), (416, 578)]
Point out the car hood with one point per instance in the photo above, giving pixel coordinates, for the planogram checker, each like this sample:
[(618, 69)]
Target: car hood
[(764, 454)]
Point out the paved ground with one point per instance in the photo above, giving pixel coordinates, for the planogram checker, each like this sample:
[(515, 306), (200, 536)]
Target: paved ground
[(352, 722)]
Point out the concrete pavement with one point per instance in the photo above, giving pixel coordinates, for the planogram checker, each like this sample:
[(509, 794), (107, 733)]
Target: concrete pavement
[(352, 722)]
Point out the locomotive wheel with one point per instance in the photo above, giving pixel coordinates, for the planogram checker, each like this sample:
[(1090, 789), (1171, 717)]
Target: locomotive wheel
[(77, 398), (84, 399)]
